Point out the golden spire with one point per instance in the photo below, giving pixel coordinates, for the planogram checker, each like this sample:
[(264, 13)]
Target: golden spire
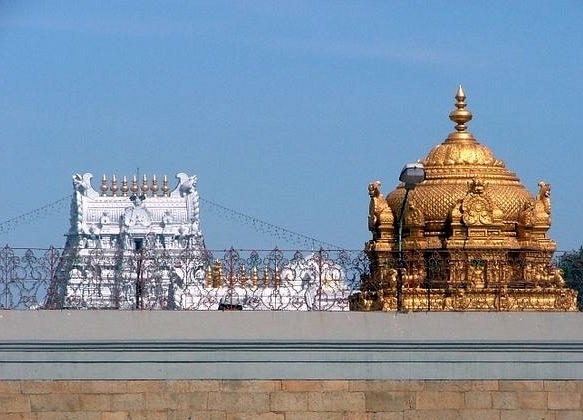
[(104, 185), (460, 116), (154, 185), (124, 187), (145, 186), (134, 188), (165, 187), (114, 187)]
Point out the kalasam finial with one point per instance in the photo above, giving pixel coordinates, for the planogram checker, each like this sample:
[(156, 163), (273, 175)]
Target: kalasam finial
[(461, 115)]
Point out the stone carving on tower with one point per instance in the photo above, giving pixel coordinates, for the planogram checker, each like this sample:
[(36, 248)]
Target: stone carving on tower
[(474, 238), (129, 222), (138, 245)]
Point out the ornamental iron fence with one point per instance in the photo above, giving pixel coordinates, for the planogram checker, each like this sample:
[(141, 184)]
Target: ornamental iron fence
[(195, 279), (192, 279)]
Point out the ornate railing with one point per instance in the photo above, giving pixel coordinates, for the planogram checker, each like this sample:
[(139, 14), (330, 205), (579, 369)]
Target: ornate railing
[(323, 280), (26, 275), (190, 280)]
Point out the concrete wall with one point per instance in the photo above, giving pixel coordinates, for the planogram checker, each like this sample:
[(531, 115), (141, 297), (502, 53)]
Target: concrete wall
[(289, 345), (290, 365)]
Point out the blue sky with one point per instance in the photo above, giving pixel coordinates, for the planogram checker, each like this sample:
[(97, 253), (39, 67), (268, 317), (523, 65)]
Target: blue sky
[(285, 110)]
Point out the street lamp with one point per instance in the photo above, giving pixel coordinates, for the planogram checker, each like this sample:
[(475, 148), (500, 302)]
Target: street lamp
[(411, 175)]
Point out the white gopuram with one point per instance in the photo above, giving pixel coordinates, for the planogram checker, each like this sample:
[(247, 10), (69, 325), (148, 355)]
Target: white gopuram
[(115, 234), (138, 245)]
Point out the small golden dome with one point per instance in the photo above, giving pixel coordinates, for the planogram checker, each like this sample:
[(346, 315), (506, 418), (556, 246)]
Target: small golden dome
[(451, 167), (470, 237)]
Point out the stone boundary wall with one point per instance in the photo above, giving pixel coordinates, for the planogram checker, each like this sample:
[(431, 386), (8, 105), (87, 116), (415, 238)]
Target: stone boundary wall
[(291, 400), (72, 345), (110, 365)]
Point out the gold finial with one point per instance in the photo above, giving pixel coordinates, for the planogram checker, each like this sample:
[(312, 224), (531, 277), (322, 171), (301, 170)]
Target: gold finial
[(208, 276), (114, 187), (217, 278), (276, 278), (104, 185), (242, 276), (124, 187), (145, 184), (461, 115), (254, 277), (165, 187), (154, 185), (135, 187)]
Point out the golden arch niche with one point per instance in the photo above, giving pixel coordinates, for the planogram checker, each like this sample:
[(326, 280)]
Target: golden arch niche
[(473, 238)]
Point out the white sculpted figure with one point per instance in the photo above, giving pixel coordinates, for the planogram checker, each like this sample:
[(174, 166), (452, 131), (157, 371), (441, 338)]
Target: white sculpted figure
[(82, 185), (137, 215), (187, 184)]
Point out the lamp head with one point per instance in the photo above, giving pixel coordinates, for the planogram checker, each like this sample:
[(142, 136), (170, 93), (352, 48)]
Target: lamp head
[(412, 174)]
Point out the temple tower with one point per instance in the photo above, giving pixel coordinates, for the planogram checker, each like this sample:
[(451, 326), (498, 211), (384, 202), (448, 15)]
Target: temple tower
[(474, 238), (119, 237)]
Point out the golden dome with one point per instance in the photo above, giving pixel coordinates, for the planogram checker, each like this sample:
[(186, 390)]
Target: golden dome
[(452, 167), (469, 237)]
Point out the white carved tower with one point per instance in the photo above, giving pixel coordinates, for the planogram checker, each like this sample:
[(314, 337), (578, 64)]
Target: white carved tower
[(115, 232)]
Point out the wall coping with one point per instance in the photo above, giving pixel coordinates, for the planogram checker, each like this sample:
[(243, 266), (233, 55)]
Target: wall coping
[(289, 345)]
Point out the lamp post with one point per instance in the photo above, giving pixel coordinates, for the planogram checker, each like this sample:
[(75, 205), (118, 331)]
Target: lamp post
[(411, 175)]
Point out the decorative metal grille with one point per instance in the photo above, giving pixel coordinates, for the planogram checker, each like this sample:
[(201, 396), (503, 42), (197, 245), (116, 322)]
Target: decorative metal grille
[(191, 280), (324, 280)]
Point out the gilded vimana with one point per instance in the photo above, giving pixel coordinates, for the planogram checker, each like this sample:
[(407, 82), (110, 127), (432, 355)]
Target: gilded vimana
[(461, 233)]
